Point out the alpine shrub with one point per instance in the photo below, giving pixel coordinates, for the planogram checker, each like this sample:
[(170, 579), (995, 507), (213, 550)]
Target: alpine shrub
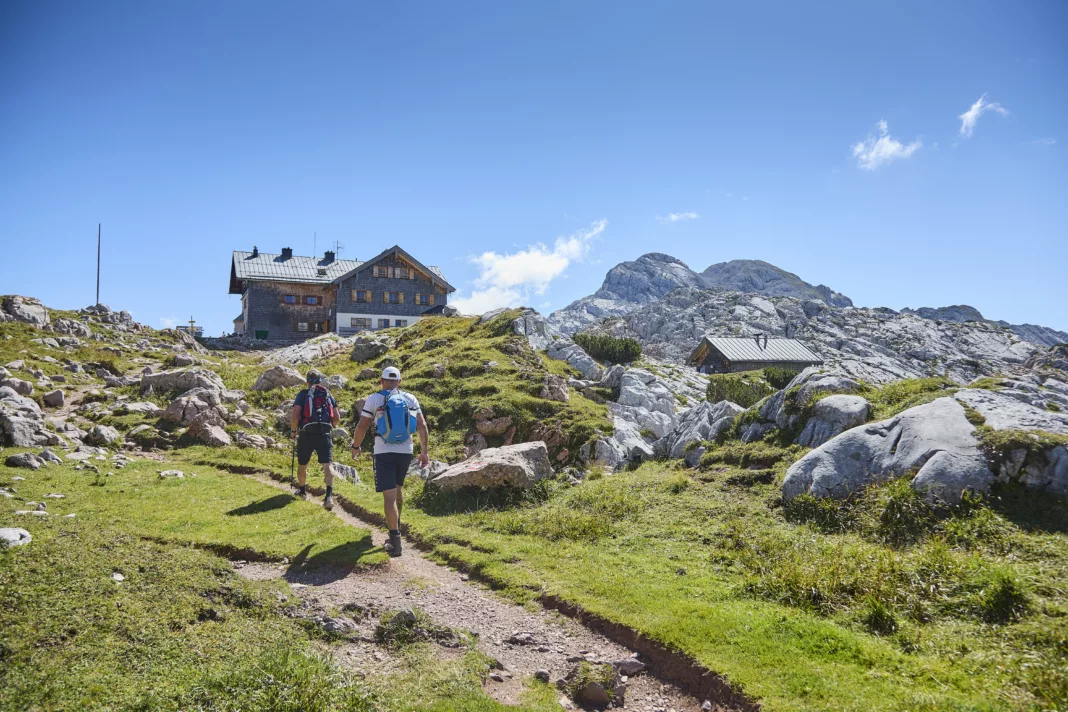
[(779, 377), (740, 391), (609, 348)]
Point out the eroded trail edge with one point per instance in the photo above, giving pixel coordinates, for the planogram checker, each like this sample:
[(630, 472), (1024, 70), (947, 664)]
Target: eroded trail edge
[(671, 680)]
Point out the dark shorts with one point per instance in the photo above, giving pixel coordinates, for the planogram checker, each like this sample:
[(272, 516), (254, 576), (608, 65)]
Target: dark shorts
[(390, 469), (315, 442)]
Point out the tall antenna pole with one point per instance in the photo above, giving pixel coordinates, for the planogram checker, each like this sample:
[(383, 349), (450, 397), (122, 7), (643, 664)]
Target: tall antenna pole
[(97, 263), (315, 248)]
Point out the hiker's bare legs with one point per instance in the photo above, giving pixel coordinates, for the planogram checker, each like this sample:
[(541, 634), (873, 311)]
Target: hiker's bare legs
[(328, 474), (392, 499), (400, 505), (302, 475)]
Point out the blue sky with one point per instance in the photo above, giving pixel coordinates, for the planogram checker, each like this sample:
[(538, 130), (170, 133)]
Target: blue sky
[(527, 148)]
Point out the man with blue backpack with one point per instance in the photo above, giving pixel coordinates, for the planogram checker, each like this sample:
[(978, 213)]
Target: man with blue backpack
[(312, 420), (396, 417)]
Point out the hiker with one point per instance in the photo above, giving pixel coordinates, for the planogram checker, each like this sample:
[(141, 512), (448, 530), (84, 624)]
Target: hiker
[(312, 420), (396, 417)]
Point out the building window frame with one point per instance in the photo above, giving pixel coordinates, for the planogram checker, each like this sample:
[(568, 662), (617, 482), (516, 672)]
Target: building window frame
[(313, 301), (302, 326), (289, 299), (381, 271), (383, 323), (403, 323), (356, 298), (360, 322)]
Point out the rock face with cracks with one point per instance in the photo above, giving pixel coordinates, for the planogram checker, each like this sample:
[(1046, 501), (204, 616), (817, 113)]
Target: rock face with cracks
[(278, 377)]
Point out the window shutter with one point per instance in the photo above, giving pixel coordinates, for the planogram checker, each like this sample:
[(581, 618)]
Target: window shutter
[(400, 297), (418, 298), (352, 295), (431, 300), (385, 297)]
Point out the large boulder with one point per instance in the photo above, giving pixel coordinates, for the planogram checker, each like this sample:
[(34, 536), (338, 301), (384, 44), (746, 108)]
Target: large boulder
[(185, 408), (625, 445), (568, 350), (21, 421), (833, 416), (278, 377), (321, 347), (535, 328), (518, 466), (184, 379), (251, 440), (102, 435), (642, 389), (27, 310), (23, 388), (25, 460), (366, 347), (54, 399), (555, 388), (613, 377), (209, 428), (14, 536), (880, 451), (702, 422)]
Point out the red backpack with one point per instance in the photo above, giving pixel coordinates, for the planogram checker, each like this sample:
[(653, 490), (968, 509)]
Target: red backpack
[(318, 413)]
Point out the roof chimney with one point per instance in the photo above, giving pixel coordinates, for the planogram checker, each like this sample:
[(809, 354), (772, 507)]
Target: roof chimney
[(255, 251), (758, 340), (287, 253), (328, 256)]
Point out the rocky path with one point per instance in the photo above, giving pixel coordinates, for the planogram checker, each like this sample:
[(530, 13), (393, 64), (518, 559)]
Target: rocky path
[(524, 641)]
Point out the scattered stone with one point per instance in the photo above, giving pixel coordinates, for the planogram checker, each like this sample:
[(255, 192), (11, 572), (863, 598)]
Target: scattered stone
[(210, 429), (14, 536), (176, 474), (368, 346), (250, 440), (27, 310), (23, 388), (117, 577), (102, 435), (541, 675), (47, 455), (278, 377), (54, 399), (555, 388)]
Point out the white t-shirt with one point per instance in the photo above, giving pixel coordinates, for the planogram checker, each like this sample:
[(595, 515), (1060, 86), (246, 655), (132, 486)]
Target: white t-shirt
[(374, 408)]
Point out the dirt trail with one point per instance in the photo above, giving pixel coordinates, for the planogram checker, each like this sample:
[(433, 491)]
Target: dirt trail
[(450, 599)]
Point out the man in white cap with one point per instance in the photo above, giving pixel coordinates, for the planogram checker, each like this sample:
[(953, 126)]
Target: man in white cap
[(396, 416)]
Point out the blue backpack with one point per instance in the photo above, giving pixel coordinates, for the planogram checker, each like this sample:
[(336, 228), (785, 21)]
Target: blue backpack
[(397, 423)]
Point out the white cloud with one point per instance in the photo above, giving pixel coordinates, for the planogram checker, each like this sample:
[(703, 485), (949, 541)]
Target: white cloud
[(510, 280), (969, 118), (676, 217), (875, 151), (168, 322), (1044, 141)]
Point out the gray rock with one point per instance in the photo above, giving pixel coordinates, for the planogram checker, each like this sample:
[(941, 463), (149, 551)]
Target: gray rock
[(335, 382), (14, 536), (250, 440), (890, 448), (1003, 411), (693, 456), (23, 388), (340, 436), (450, 310), (25, 460), (278, 377), (613, 377), (27, 310), (50, 457), (184, 379), (141, 407), (209, 428), (181, 360), (576, 357), (16, 365), (367, 373), (71, 327), (704, 421), (187, 407), (346, 472), (102, 435), (366, 347), (832, 416), (555, 388), (171, 474), (518, 466), (54, 398), (535, 328), (435, 468)]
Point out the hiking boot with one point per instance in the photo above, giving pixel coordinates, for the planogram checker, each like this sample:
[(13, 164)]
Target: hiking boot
[(301, 492), (393, 545), (328, 500)]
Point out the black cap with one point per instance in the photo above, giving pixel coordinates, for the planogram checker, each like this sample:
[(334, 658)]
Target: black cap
[(314, 376)]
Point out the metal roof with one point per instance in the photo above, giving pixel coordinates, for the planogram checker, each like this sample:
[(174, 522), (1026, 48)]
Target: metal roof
[(291, 269), (746, 349), (403, 253)]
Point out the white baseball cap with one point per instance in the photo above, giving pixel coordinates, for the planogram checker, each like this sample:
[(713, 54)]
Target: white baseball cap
[(391, 373)]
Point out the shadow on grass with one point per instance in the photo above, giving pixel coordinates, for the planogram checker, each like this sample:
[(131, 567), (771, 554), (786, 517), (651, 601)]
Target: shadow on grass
[(438, 503), (1030, 510), (330, 565), (264, 505)]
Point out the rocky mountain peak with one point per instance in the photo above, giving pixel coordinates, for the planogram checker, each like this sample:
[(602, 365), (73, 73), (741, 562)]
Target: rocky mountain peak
[(764, 278), (958, 312), (649, 277)]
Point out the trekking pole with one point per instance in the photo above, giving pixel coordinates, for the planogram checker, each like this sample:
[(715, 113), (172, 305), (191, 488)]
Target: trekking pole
[(293, 463)]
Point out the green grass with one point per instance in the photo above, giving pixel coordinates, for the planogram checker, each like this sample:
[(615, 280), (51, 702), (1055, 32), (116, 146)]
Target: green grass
[(745, 389), (969, 613)]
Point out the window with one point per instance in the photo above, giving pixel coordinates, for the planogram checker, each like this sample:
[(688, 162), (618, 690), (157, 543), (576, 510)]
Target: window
[(400, 322), (290, 299), (400, 272), (318, 327), (380, 271), (302, 326), (383, 323), (425, 300), (313, 301), (357, 322), (361, 295), (393, 297)]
